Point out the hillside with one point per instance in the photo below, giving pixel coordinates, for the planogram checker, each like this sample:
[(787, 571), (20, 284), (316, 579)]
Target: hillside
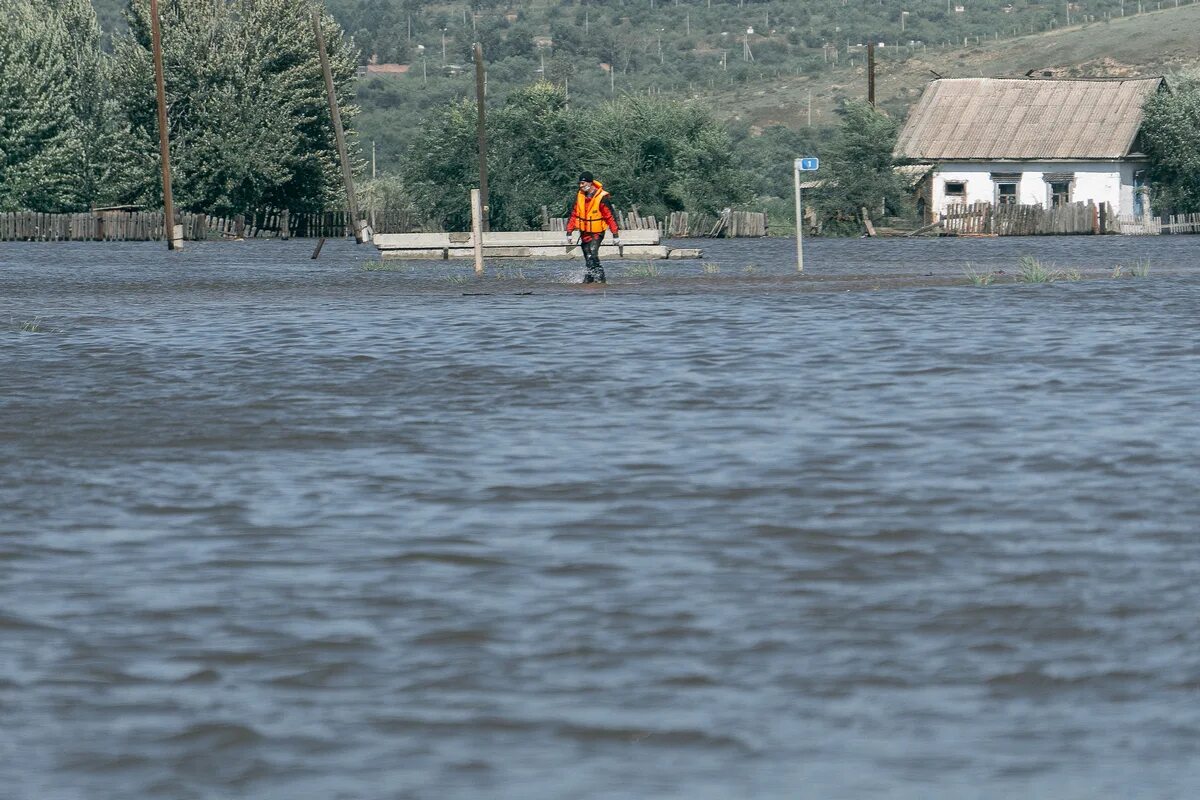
[(1155, 43), (755, 64)]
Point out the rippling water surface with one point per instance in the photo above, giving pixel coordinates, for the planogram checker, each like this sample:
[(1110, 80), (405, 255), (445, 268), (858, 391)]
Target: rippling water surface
[(281, 528)]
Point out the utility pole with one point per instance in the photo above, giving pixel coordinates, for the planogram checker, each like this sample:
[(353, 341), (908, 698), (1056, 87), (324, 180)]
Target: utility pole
[(480, 94), (871, 73), (338, 133), (174, 237)]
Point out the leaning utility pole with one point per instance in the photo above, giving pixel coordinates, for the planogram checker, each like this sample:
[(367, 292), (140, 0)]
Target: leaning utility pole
[(871, 73), (174, 238), (339, 135), (480, 94)]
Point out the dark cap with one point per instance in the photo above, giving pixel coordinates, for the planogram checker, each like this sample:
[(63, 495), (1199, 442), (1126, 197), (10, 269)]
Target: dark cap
[(585, 176)]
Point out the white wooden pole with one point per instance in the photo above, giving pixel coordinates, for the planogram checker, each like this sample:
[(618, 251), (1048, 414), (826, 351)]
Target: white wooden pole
[(799, 222), (477, 229)]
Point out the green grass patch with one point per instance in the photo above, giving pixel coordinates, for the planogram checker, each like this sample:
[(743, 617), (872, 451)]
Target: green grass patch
[(978, 278), (1030, 270), (645, 270)]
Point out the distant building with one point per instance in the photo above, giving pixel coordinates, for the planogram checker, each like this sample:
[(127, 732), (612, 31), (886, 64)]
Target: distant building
[(384, 70), (1029, 141)]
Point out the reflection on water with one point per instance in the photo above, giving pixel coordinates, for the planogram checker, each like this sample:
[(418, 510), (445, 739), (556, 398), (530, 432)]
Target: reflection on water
[(278, 528)]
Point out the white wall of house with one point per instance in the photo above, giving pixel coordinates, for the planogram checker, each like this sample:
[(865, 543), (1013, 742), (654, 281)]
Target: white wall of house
[(1101, 182)]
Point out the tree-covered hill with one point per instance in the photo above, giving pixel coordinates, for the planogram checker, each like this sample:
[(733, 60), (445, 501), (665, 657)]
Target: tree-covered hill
[(756, 62), (778, 73)]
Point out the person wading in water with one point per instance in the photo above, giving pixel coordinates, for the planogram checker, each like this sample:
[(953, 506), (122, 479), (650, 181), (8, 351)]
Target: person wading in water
[(592, 214)]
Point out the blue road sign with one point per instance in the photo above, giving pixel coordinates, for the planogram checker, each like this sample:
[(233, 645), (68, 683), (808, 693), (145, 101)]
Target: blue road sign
[(808, 164)]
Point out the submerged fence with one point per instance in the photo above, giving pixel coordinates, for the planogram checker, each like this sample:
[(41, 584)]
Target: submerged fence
[(143, 226), (985, 219)]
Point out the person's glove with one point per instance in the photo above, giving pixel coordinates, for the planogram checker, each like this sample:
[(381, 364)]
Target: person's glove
[(569, 240), (617, 241)]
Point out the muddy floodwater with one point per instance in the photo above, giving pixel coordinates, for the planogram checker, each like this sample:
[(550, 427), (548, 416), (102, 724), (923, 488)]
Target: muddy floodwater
[(286, 529)]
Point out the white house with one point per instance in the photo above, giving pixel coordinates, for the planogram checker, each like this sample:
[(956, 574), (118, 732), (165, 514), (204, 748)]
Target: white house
[(1029, 141)]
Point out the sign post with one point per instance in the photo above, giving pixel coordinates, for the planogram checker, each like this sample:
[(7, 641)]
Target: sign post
[(807, 164)]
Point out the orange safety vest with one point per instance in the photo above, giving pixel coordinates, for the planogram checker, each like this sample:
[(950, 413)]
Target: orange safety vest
[(588, 218)]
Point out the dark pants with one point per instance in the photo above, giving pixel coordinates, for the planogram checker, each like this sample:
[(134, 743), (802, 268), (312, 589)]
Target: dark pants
[(593, 272)]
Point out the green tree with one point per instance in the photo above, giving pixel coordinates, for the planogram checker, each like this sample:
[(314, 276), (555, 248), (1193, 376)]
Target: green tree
[(660, 155), (443, 166), (40, 144), (657, 155), (89, 93), (1171, 136), (249, 121), (858, 170)]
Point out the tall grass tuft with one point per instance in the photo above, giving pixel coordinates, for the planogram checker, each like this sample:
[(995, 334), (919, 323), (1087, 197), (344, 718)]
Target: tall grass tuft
[(644, 270), (1070, 275), (1140, 268), (978, 278), (712, 268), (35, 325), (1033, 271)]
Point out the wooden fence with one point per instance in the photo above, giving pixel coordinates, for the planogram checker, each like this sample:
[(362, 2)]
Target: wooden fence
[(729, 224), (985, 219), (143, 226), (1153, 226)]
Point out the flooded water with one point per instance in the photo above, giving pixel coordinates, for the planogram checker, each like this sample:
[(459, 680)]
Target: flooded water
[(281, 528)]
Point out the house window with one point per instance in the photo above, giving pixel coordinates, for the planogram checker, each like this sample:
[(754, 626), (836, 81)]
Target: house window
[(1060, 193), (1006, 194), (1058, 187), (956, 192)]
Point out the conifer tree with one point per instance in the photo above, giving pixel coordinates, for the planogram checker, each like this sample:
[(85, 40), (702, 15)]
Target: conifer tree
[(39, 139), (249, 122)]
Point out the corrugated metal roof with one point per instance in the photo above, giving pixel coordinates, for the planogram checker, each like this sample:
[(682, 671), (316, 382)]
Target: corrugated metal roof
[(993, 118)]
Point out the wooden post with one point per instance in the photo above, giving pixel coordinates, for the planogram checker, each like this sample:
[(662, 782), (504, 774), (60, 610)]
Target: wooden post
[(477, 228), (479, 103), (867, 222), (339, 134), (871, 73), (173, 236)]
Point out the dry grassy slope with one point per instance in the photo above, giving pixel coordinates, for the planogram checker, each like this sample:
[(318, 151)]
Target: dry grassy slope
[(1155, 43)]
